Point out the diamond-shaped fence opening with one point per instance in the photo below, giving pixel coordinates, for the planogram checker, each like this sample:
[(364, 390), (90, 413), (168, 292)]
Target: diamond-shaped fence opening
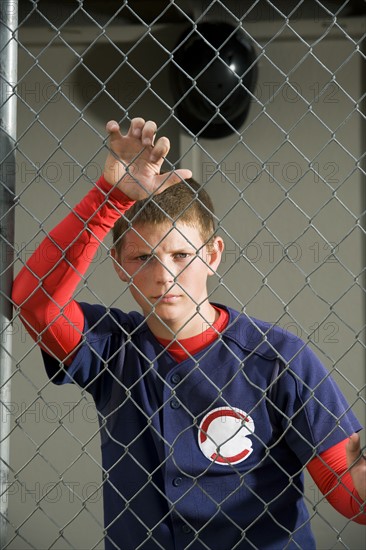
[(194, 424)]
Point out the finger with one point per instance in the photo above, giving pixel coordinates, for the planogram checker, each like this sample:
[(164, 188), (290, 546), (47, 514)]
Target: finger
[(112, 126), (160, 149), (136, 127), (148, 132), (113, 129)]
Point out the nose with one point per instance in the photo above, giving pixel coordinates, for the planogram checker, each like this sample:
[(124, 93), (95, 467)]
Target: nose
[(163, 271)]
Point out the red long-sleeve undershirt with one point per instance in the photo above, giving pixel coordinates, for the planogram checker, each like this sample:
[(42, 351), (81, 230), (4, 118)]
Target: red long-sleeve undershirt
[(44, 287), (43, 292)]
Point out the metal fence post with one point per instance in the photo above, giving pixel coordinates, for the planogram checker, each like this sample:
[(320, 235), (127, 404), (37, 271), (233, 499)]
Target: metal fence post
[(8, 78)]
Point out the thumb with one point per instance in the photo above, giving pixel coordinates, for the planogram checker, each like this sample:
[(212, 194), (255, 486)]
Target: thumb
[(179, 175), (168, 179), (353, 449)]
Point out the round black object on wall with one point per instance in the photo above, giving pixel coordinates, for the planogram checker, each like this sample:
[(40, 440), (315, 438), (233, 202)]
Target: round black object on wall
[(214, 68)]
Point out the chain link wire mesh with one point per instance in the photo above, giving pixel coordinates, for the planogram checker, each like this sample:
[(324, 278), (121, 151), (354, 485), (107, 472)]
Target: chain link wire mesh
[(287, 185)]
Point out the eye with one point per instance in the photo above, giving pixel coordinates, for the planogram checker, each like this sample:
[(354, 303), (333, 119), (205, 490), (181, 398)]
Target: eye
[(181, 255), (144, 258)]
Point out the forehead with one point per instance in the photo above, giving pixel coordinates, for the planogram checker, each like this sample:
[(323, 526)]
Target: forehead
[(162, 236)]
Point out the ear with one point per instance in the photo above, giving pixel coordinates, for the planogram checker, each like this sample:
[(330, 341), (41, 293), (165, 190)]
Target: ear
[(214, 255), (118, 267)]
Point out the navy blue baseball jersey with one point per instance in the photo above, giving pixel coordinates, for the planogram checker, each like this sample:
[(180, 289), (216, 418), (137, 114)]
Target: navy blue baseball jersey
[(209, 452)]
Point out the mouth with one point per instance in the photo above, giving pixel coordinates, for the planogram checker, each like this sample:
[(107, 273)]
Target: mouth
[(166, 298)]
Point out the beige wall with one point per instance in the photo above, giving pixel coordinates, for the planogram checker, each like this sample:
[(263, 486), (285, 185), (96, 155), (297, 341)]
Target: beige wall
[(299, 206), (283, 206)]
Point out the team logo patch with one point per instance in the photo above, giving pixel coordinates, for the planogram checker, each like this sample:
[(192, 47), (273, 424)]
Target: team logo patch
[(223, 435)]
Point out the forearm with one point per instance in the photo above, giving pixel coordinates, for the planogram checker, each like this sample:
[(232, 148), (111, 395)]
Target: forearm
[(331, 475), (44, 287)]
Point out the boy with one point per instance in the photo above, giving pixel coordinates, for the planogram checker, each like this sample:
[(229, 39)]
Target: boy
[(205, 433)]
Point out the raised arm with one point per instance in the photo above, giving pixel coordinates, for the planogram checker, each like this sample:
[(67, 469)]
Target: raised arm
[(44, 287)]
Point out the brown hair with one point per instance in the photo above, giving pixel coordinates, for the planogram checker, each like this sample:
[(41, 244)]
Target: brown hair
[(185, 202)]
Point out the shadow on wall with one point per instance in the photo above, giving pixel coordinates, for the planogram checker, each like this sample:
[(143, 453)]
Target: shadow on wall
[(129, 79)]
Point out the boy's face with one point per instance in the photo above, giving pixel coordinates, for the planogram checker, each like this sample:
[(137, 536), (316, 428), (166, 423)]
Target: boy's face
[(167, 268)]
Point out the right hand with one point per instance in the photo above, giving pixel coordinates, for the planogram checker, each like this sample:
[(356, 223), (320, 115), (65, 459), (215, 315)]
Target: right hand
[(134, 161)]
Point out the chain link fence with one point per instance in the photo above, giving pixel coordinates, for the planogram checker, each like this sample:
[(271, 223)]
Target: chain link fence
[(286, 175)]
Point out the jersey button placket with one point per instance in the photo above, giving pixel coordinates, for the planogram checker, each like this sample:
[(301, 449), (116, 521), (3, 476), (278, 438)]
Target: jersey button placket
[(175, 379), (175, 483)]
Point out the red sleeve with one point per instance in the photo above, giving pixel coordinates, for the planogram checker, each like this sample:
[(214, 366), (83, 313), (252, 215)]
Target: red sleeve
[(44, 287), (331, 474)]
